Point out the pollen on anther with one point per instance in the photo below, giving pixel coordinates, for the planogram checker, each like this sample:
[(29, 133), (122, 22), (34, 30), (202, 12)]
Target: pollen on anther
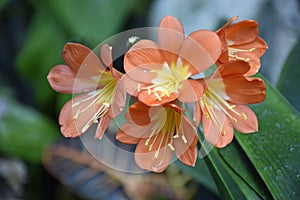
[(184, 139), (234, 119), (244, 116), (176, 136), (156, 154), (247, 59), (171, 146), (75, 104), (157, 96), (139, 87), (77, 114)]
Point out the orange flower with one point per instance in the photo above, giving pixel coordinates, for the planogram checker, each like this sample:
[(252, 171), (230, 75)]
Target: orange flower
[(103, 95), (222, 107), (158, 131), (158, 73), (240, 41)]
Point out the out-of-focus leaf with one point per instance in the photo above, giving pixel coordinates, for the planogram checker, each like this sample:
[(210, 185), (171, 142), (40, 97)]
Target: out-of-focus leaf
[(42, 50), (200, 173), (93, 20), (274, 150), (2, 3), (289, 81), (70, 163), (24, 132)]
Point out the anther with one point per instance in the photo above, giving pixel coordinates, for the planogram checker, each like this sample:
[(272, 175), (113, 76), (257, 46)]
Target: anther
[(234, 119), (156, 154), (139, 87), (77, 114), (149, 90), (220, 128), (106, 104), (171, 146), (75, 104), (147, 142), (176, 136), (157, 96), (244, 115), (184, 139)]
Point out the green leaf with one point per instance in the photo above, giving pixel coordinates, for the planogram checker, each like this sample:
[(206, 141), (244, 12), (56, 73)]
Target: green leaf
[(229, 184), (42, 50), (24, 132), (92, 20), (274, 150), (236, 159), (289, 81), (200, 173)]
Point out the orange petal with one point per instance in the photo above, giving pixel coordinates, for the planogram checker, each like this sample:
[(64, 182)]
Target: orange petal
[(252, 59), (219, 133), (191, 91), (141, 58), (102, 126), (157, 159), (119, 100), (63, 79), (76, 55), (130, 85), (246, 120), (139, 114), (183, 146), (189, 157), (74, 123), (106, 57), (227, 23), (242, 90), (235, 68), (137, 131), (242, 32), (170, 37), (152, 100), (197, 113), (125, 138), (200, 50)]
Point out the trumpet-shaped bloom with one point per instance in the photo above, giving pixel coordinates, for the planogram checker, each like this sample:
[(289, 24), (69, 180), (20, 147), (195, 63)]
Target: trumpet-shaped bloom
[(222, 107), (158, 73), (240, 41), (102, 93), (159, 131)]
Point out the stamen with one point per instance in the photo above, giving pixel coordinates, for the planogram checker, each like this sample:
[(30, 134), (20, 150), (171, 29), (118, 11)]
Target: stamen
[(106, 104), (234, 119), (139, 87), (156, 154), (77, 114), (149, 90), (75, 104), (157, 96), (241, 50), (176, 136), (244, 115), (220, 128), (171, 146), (184, 139)]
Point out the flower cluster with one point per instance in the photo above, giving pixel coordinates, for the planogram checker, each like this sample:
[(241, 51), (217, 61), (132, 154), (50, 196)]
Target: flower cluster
[(161, 78)]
